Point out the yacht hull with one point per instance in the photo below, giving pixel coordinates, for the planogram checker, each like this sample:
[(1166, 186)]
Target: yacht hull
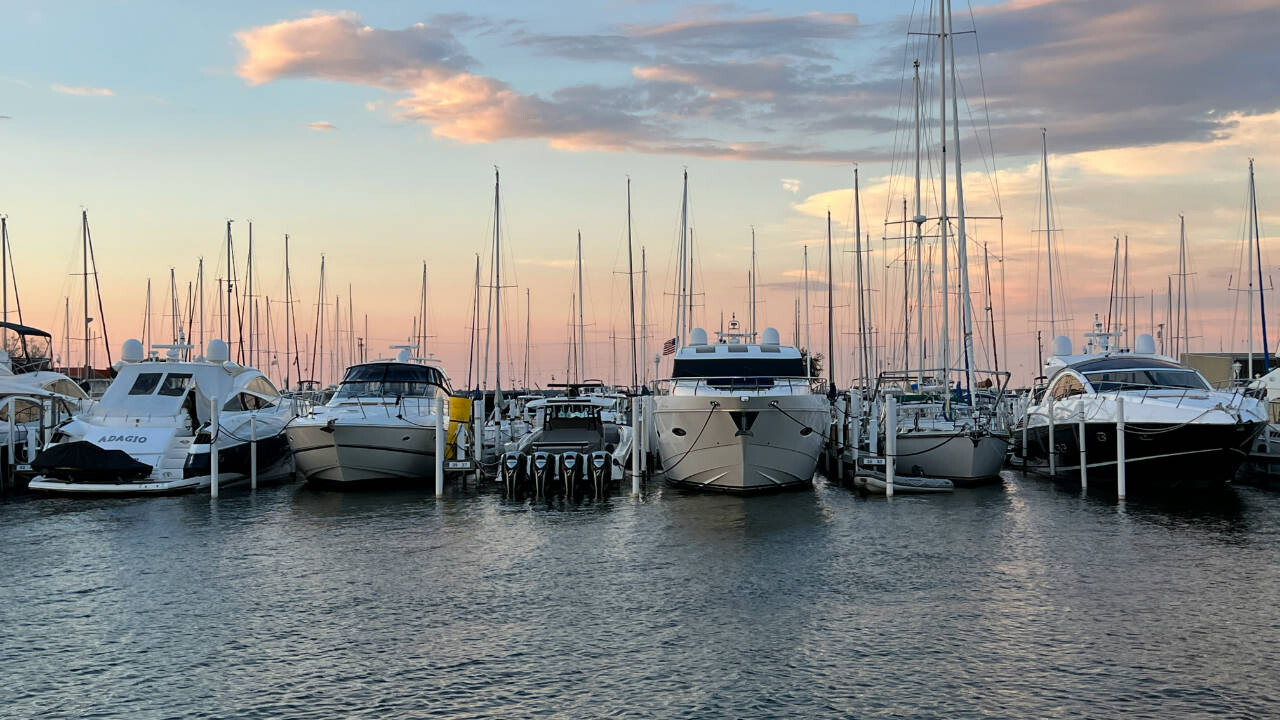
[(741, 444), (352, 453), (1157, 455), (964, 458)]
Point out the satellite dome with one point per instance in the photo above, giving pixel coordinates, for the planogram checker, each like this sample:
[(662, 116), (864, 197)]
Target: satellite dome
[(217, 351), (770, 336), (132, 351), (1146, 345), (1061, 346), (697, 336)]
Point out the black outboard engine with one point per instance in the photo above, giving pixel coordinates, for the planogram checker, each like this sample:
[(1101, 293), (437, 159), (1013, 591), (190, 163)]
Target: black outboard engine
[(542, 470), (601, 472), (514, 469), (573, 468)]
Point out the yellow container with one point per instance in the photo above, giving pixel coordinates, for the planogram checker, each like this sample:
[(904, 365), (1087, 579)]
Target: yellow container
[(459, 414)]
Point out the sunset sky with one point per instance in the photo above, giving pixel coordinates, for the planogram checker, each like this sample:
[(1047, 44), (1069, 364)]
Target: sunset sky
[(369, 132)]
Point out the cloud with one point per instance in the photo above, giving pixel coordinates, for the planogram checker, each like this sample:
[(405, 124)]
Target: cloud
[(791, 185), (432, 72), (320, 125), (339, 47), (69, 90)]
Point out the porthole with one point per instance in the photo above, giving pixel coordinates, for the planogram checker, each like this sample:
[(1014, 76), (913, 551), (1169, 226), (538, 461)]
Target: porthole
[(806, 431), (678, 432)]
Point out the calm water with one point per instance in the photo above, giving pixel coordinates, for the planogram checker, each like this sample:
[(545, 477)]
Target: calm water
[(1017, 601)]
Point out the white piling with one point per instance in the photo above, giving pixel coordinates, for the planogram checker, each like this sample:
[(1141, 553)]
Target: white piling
[(842, 414), (253, 451), (1120, 460), (635, 446), (890, 443), (1084, 458), (873, 434), (645, 419), (1025, 421), (11, 454), (477, 432), (442, 433), (856, 432), (1053, 447), (213, 447)]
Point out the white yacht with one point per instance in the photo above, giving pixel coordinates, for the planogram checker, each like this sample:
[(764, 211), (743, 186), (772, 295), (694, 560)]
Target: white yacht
[(151, 432), (379, 425), (1179, 430), (740, 417)]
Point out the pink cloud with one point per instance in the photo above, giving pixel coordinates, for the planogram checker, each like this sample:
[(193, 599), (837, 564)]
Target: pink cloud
[(69, 90)]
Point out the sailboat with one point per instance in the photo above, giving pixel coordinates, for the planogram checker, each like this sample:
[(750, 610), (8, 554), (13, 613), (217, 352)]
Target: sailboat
[(946, 428)]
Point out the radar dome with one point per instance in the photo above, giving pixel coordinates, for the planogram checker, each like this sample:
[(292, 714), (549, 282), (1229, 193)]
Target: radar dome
[(217, 351), (403, 355), (1062, 346), (132, 351), (697, 336), (1146, 345), (770, 336)]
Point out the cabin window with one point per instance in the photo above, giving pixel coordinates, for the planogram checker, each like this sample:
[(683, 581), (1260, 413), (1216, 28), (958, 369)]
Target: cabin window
[(175, 384), (66, 387), (262, 386), (27, 411), (1069, 385), (145, 383), (1146, 378)]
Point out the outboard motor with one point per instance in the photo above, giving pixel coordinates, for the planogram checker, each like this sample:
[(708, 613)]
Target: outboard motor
[(514, 469), (542, 471), (601, 472), (573, 468)]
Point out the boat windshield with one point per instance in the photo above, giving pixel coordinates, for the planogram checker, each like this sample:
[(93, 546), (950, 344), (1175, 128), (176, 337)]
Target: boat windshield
[(1145, 378), (391, 380)]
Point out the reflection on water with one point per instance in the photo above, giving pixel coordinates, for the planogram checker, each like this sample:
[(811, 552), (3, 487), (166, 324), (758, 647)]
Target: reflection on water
[(1025, 599)]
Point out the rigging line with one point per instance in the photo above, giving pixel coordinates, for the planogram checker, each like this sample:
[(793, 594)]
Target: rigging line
[(986, 107)]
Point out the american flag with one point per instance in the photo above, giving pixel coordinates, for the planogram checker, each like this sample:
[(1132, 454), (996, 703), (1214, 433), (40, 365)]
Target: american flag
[(669, 347)]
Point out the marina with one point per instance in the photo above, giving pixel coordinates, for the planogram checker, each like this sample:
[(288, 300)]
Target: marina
[(697, 361)]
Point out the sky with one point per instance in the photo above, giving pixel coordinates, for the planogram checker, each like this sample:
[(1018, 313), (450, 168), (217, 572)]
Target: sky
[(370, 132)]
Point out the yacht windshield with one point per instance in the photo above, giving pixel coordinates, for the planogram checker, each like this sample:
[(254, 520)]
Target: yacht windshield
[(1145, 378), (391, 380)]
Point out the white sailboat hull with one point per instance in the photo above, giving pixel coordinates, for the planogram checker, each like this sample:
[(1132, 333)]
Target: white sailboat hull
[(961, 457)]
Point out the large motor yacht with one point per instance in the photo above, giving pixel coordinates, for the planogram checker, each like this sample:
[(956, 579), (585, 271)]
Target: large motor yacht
[(152, 430), (379, 425), (739, 416), (1178, 429)]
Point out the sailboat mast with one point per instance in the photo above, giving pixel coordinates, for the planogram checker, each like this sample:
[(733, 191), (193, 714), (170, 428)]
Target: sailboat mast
[(4, 263), (753, 283), (1048, 231), (528, 333), (808, 344), (1262, 290), (288, 312), (582, 336), (473, 350), (962, 253), (857, 235), (644, 317), (919, 223), (681, 251), (945, 344), (631, 295), (84, 270), (831, 315), (497, 298), (253, 358)]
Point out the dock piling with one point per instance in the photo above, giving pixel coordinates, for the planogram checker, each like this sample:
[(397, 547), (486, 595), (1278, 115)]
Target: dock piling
[(1084, 458), (442, 433), (1120, 459), (890, 443), (253, 451), (1053, 446), (213, 448), (636, 450)]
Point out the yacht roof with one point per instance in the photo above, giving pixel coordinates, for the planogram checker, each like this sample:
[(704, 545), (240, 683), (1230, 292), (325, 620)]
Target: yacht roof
[(736, 350)]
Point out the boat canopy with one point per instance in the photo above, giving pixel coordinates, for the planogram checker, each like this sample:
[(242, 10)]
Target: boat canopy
[(391, 379)]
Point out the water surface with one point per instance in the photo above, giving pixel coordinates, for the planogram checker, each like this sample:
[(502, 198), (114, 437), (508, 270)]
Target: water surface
[(1020, 600)]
